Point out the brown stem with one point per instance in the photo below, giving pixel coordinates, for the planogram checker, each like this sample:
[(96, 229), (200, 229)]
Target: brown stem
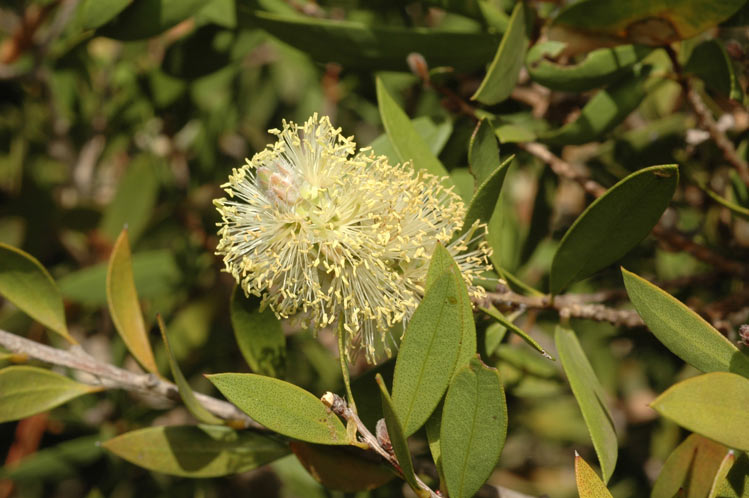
[(114, 377)]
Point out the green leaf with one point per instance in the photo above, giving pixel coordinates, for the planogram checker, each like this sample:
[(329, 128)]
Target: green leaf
[(736, 482), (62, 461), (503, 72), (407, 143), (497, 315), (156, 274), (682, 330), (483, 151), (589, 485), (26, 391), (428, 353), (95, 13), (721, 474), (185, 391), (259, 335), (282, 407), (134, 202), (435, 135), (356, 45), (603, 112), (347, 469), (196, 451), (590, 397), (712, 404), (124, 307), (690, 467), (710, 62), (473, 429), (398, 438), (598, 68), (739, 211), (27, 284), (650, 22), (432, 428), (486, 197), (147, 18), (612, 225), (442, 262)]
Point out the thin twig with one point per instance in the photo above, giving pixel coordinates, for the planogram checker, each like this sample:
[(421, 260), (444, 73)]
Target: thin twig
[(563, 168), (568, 306), (114, 377)]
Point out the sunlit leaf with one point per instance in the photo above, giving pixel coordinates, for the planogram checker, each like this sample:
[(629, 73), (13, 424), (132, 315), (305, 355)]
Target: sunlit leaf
[(712, 404), (690, 467), (27, 284), (26, 391), (282, 407), (124, 307), (589, 485), (196, 451)]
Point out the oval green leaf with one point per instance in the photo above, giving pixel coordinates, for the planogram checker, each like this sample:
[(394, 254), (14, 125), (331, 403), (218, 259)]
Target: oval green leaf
[(196, 451), (710, 62), (398, 438), (612, 225), (608, 108), (347, 469), (27, 284), (712, 404), (473, 429), (259, 335), (358, 45), (598, 68), (428, 353), (185, 391), (124, 307), (589, 485), (407, 143), (690, 467), (282, 407), (591, 398), (682, 330), (26, 391), (503, 72)]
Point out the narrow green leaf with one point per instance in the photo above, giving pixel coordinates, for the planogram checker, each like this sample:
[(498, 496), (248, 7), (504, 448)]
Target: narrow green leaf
[(497, 315), (432, 428), (682, 330), (124, 307), (739, 211), (27, 284), (342, 468), (473, 429), (26, 391), (736, 482), (612, 225), (690, 467), (712, 404), (259, 335), (407, 143), (483, 151), (590, 397), (147, 18), (503, 72), (721, 474), (603, 112), (185, 391), (282, 407), (486, 197), (374, 47), (63, 461), (196, 451), (428, 354), (435, 136), (589, 485), (442, 262), (598, 68), (398, 438)]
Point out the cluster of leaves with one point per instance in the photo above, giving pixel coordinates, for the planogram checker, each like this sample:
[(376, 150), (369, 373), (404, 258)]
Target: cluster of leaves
[(132, 113)]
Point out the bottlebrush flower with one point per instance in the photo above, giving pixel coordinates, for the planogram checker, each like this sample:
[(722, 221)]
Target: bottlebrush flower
[(321, 231)]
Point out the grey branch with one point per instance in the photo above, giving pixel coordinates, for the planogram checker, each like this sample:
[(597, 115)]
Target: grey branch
[(114, 377)]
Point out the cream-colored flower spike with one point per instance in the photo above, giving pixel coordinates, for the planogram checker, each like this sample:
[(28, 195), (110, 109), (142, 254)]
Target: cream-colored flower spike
[(320, 231)]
